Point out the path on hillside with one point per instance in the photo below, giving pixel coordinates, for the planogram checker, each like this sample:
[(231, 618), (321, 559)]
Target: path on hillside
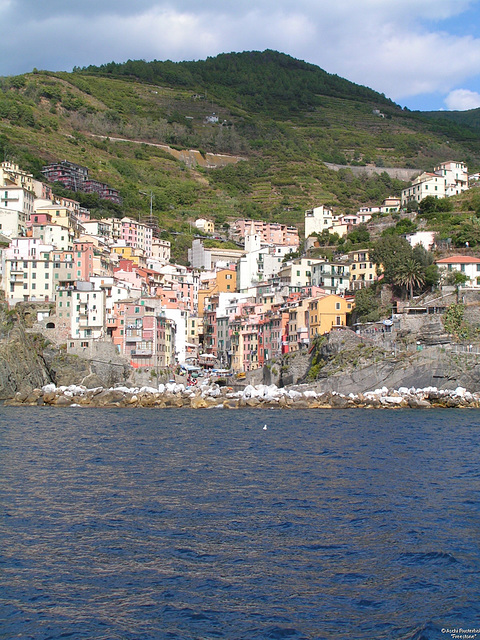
[(191, 157)]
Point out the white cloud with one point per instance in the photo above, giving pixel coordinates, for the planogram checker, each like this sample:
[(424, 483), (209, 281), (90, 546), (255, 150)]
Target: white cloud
[(462, 100)]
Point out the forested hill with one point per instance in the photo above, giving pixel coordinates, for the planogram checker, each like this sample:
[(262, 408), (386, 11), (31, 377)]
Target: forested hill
[(253, 80), (276, 120), (469, 118)]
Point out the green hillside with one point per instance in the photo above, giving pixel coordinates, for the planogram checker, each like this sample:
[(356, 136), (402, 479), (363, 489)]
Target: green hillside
[(281, 118), (469, 119)]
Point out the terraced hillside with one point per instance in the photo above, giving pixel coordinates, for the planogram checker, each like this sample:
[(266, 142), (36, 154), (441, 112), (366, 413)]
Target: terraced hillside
[(152, 127)]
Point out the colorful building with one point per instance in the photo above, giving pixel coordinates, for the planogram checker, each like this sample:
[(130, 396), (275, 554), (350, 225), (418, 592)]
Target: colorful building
[(328, 311)]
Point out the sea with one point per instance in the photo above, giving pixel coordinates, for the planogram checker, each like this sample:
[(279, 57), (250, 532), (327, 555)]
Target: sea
[(187, 524)]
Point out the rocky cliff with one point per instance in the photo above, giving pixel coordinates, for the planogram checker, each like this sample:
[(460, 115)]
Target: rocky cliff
[(29, 360), (419, 355), (345, 363)]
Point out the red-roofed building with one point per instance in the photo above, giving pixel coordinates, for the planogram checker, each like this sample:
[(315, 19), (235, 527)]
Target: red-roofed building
[(468, 265)]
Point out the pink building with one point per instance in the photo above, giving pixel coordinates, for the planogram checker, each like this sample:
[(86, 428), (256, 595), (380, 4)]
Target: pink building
[(136, 235), (270, 232), (142, 333), (39, 218)]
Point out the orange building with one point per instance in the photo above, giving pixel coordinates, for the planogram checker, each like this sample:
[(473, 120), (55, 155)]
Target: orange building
[(328, 311), (225, 281)]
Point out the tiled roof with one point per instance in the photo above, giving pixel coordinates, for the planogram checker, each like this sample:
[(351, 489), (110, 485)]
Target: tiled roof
[(459, 260)]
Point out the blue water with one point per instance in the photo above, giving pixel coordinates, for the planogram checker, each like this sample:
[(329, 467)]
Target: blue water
[(139, 524)]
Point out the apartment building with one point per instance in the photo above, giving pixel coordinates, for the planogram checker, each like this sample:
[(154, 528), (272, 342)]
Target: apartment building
[(455, 175), (426, 184), (28, 271), (326, 312), (363, 272)]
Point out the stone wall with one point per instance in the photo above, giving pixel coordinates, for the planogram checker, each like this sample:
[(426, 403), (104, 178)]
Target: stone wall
[(407, 175)]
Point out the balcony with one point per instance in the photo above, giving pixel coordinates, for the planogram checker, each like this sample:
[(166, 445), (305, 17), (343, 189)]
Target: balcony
[(141, 352)]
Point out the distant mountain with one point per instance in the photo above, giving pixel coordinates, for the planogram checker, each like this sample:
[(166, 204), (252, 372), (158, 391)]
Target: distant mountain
[(469, 118)]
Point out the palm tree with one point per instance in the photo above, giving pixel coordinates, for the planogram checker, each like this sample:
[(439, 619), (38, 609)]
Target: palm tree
[(410, 275)]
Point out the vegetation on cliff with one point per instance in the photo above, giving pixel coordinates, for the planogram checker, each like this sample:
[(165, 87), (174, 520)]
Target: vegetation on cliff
[(283, 117)]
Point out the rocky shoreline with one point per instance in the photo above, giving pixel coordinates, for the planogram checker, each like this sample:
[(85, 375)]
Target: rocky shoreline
[(209, 396)]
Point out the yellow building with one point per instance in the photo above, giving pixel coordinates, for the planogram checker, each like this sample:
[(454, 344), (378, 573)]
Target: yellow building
[(195, 329), (225, 281), (129, 253), (363, 271), (62, 215), (11, 175), (207, 226), (328, 311)]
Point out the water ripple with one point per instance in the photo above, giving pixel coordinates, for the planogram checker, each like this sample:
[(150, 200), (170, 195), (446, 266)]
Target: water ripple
[(121, 525)]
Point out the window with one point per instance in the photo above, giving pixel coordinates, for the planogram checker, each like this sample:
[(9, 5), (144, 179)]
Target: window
[(337, 305)]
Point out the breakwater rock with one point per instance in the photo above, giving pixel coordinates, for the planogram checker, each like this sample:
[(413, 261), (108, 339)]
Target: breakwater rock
[(209, 396)]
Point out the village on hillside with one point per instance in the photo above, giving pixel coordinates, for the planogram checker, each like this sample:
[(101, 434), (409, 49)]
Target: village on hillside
[(111, 283)]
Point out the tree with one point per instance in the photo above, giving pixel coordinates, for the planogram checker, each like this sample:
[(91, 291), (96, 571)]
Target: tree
[(360, 235), (410, 275), (431, 205), (367, 305), (326, 238), (391, 252), (427, 260), (457, 279)]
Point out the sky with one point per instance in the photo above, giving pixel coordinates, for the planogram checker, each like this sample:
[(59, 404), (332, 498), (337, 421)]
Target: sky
[(423, 54)]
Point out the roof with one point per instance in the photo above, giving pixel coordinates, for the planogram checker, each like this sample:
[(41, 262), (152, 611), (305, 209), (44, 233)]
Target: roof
[(459, 260)]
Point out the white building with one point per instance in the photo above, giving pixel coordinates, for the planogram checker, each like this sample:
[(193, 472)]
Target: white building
[(58, 235), (425, 238), (17, 199), (456, 177), (318, 219), (259, 262), (88, 310), (426, 184), (161, 250), (333, 276), (101, 228), (180, 319), (468, 265), (297, 273), (12, 223), (28, 271)]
